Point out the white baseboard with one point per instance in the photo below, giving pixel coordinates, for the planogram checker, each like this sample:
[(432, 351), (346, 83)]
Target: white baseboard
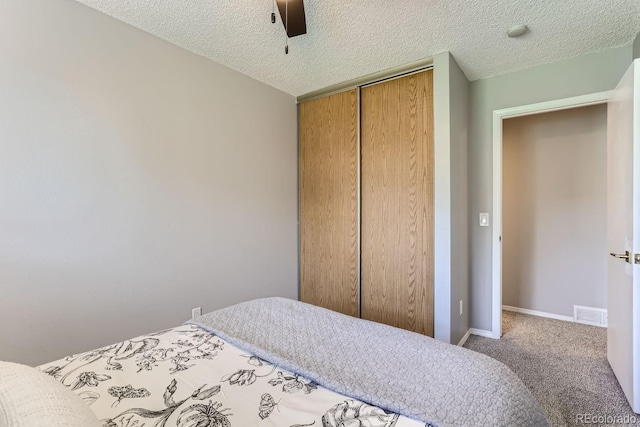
[(481, 333), (537, 313), (464, 338)]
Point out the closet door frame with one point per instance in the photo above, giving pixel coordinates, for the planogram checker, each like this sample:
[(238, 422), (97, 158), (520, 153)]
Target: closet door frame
[(357, 85)]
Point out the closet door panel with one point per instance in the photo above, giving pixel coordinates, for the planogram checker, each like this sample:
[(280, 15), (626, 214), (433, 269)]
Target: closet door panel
[(329, 202), (397, 202)]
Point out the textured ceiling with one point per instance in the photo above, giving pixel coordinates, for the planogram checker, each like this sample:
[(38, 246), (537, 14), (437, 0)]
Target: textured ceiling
[(347, 39)]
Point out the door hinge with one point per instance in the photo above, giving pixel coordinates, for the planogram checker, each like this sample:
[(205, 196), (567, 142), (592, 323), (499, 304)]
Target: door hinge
[(636, 258)]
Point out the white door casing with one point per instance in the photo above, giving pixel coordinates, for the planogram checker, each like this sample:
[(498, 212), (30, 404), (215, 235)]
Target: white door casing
[(498, 117), (623, 233)]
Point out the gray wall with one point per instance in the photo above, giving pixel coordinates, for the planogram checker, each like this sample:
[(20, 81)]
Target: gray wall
[(459, 96), (451, 90), (554, 210), (636, 47), (578, 76), (137, 181)]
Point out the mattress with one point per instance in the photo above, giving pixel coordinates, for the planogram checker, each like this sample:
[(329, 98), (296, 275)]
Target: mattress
[(280, 362), (188, 377)]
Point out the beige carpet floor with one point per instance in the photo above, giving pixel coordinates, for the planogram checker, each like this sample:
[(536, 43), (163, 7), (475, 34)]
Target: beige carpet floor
[(564, 365)]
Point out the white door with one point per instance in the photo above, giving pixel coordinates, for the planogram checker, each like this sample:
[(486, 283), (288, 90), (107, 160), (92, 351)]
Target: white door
[(623, 220)]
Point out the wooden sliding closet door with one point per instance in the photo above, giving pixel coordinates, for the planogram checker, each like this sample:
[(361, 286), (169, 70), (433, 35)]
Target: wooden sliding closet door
[(397, 202), (329, 202)]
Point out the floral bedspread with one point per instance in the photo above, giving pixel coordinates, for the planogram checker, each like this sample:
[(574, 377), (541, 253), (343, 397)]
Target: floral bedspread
[(187, 377)]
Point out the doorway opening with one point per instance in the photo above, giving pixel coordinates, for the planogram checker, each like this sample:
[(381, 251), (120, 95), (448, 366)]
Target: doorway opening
[(549, 234)]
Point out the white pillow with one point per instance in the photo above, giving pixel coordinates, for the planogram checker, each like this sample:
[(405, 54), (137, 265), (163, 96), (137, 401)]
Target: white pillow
[(30, 398)]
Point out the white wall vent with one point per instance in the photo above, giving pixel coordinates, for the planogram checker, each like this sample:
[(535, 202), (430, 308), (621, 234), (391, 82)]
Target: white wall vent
[(590, 315)]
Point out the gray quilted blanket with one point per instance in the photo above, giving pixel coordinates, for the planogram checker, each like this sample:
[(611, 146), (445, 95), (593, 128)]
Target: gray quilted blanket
[(399, 371)]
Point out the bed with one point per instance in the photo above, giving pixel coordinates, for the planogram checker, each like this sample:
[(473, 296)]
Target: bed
[(279, 362)]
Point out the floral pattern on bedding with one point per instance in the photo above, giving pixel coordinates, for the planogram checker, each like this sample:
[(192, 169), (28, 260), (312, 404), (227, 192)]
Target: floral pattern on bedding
[(186, 377)]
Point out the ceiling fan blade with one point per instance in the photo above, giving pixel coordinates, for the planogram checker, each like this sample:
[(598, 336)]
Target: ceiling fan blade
[(296, 24)]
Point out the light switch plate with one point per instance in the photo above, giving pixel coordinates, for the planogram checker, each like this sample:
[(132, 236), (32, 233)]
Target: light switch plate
[(484, 219)]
